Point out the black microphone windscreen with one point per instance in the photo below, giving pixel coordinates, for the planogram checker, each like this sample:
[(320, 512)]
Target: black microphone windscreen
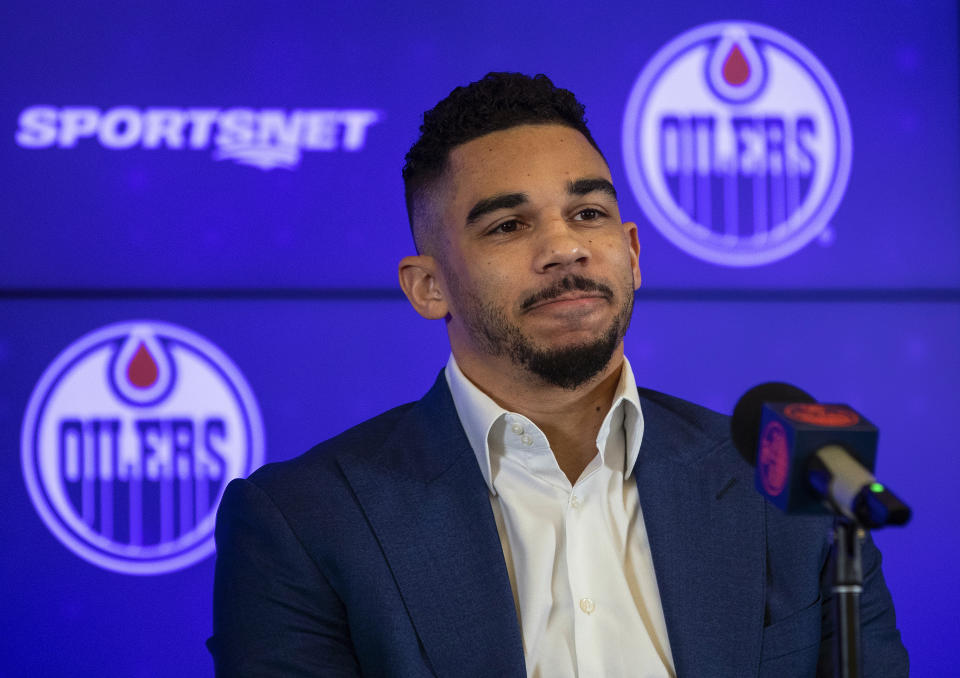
[(745, 422)]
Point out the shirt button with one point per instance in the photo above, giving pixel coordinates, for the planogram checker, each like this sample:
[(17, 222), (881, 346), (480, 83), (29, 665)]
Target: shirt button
[(587, 605), (576, 502), (526, 440), (517, 428)]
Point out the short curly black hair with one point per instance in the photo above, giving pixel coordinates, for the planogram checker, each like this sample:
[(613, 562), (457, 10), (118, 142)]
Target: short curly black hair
[(496, 102)]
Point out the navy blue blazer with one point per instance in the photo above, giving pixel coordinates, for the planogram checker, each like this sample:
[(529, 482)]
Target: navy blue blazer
[(376, 554)]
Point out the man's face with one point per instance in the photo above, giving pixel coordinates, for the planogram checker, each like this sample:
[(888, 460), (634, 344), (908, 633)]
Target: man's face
[(536, 264)]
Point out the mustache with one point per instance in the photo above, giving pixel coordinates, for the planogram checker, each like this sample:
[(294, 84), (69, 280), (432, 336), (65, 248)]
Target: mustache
[(564, 285)]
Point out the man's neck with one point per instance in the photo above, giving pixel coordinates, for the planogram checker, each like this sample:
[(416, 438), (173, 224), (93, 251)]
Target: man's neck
[(570, 418)]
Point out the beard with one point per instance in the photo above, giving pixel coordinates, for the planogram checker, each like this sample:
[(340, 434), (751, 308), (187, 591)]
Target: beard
[(567, 366)]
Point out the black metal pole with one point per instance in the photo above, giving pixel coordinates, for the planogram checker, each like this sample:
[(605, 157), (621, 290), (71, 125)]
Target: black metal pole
[(847, 586)]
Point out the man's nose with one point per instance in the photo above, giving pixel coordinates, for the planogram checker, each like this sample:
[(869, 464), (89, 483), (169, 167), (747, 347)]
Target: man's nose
[(560, 246)]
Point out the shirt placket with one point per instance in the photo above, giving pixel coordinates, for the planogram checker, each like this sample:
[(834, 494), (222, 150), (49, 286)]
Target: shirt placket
[(587, 608)]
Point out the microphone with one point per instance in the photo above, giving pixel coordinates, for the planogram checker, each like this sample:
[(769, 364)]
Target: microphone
[(813, 458)]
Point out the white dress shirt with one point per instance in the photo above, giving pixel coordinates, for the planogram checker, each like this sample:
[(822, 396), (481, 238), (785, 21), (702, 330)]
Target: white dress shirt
[(577, 555)]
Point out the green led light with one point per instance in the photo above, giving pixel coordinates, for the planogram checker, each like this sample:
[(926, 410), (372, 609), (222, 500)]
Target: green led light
[(876, 487)]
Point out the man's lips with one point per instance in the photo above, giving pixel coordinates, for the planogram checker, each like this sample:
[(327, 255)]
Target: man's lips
[(566, 298), (572, 288)]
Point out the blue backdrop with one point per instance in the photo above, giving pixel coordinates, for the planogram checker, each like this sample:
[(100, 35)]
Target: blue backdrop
[(123, 201)]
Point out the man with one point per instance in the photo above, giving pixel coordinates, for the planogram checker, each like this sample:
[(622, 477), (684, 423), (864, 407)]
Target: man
[(535, 513)]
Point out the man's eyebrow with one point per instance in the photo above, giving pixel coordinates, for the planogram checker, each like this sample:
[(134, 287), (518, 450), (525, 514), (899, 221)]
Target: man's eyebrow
[(584, 186), (503, 201)]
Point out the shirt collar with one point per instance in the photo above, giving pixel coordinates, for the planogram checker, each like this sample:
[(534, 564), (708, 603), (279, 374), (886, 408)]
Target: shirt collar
[(478, 413)]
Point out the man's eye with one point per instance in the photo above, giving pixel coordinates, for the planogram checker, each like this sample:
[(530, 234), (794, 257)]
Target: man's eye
[(510, 226), (588, 214)]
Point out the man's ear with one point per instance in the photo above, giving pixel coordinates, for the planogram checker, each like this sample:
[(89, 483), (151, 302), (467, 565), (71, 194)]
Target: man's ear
[(418, 278), (633, 241)]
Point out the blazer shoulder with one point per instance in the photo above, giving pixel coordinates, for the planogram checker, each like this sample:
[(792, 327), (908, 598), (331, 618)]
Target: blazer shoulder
[(363, 439), (690, 429)]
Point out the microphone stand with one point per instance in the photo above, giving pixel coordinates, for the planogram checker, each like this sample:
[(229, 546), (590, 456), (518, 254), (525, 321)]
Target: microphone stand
[(874, 506), (847, 586)]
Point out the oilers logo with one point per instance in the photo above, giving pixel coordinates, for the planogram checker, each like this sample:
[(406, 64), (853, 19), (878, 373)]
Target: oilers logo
[(737, 144), (128, 441)]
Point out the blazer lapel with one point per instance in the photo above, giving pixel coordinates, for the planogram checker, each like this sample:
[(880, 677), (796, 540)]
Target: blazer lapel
[(704, 520), (426, 501)]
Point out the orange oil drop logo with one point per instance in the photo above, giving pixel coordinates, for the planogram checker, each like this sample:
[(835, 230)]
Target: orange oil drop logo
[(142, 369), (736, 69)]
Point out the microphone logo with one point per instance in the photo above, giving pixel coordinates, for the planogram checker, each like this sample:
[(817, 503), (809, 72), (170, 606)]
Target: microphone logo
[(773, 459), (830, 416)]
